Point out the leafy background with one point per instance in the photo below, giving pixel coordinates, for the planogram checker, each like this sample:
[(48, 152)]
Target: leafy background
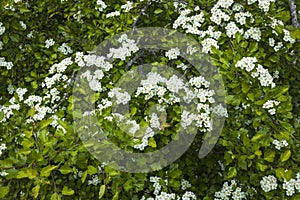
[(49, 164)]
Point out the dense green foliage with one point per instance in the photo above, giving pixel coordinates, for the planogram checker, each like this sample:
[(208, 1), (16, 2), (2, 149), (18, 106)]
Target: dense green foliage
[(47, 162)]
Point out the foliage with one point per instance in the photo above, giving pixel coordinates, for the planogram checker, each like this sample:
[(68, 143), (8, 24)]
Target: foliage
[(42, 157)]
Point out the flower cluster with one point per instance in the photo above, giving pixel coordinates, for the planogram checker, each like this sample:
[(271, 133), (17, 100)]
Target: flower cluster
[(262, 74), (280, 144), (121, 97), (270, 104), (268, 183), (287, 36), (128, 48), (254, 33), (185, 184), (291, 185), (2, 28), (208, 43), (173, 53), (2, 148), (217, 14), (128, 6), (161, 195), (49, 43), (241, 17), (113, 14), (65, 49), (190, 24), (231, 190), (100, 5), (6, 64), (232, 29), (94, 181)]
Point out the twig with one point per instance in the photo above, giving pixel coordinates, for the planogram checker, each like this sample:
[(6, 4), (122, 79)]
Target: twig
[(293, 10), (53, 180)]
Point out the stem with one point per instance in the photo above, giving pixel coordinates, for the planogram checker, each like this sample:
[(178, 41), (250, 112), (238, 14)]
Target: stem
[(293, 10)]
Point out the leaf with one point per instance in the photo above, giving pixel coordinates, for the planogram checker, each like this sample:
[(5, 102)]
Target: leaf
[(1, 115), (83, 176), (101, 191), (65, 169), (5, 39), (269, 156), (116, 196), (262, 167), (92, 170), (253, 47), (152, 142), (45, 123), (27, 173), (3, 191), (46, 170), (231, 172), (35, 191), (67, 191), (157, 11), (285, 156)]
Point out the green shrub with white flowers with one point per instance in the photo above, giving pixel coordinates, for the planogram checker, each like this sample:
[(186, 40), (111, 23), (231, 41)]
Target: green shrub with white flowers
[(253, 43)]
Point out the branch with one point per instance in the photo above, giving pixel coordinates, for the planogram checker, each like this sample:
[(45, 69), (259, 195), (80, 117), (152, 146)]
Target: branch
[(293, 10)]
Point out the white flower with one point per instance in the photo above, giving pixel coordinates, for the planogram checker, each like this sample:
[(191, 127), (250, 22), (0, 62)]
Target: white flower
[(225, 3), (2, 148), (65, 49), (3, 63), (185, 184), (3, 173), (247, 63), (21, 92), (100, 5), (173, 53), (268, 183), (241, 17), (23, 25), (208, 43), (49, 43), (128, 6), (113, 14), (232, 29), (271, 42), (280, 144), (2, 28), (253, 33), (287, 37)]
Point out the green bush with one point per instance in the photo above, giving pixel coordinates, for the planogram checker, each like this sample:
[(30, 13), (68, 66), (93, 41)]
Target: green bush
[(255, 47)]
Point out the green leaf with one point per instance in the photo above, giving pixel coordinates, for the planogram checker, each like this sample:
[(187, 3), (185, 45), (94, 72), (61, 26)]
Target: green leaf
[(116, 196), (5, 39), (152, 142), (157, 11), (92, 170), (231, 172), (253, 47), (83, 176), (46, 170), (269, 156), (45, 123), (27, 173), (3, 191), (65, 169), (67, 191), (262, 167), (55, 196), (1, 115), (35, 191), (285, 155), (101, 191)]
